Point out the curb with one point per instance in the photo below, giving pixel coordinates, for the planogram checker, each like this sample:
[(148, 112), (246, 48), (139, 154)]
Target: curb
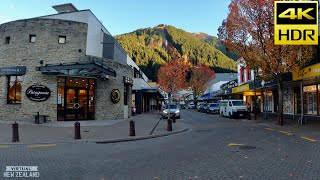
[(141, 138), (154, 128)]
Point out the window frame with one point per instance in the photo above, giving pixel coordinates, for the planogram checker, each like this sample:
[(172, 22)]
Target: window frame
[(31, 36), (15, 90), (7, 40), (65, 39)]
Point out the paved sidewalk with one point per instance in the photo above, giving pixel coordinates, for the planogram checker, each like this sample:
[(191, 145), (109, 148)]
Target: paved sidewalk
[(97, 130), (309, 130)]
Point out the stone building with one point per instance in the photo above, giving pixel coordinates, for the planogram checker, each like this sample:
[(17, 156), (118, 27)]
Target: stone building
[(65, 66)]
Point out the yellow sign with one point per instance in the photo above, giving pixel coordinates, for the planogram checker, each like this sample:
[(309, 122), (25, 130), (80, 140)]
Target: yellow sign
[(296, 23), (307, 72), (240, 88)]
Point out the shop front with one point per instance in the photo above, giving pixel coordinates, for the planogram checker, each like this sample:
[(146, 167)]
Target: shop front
[(75, 98)]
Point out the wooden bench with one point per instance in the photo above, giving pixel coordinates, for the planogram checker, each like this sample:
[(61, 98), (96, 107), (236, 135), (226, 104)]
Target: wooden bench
[(39, 116)]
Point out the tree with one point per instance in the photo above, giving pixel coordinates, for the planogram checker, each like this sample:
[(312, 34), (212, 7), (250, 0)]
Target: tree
[(200, 76), (249, 32), (172, 75)]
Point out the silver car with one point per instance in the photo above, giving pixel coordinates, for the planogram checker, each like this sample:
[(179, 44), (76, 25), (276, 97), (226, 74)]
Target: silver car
[(174, 110)]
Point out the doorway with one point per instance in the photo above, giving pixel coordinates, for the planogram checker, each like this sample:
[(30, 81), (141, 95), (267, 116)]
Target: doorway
[(75, 99)]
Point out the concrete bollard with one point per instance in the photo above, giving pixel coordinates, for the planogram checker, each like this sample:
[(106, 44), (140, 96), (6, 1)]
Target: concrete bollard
[(132, 129), (15, 132), (169, 127), (77, 134)]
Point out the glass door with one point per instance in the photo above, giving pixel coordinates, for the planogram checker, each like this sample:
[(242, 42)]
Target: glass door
[(77, 104)]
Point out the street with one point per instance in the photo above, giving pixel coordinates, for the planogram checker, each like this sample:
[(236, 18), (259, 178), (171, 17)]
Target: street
[(213, 148)]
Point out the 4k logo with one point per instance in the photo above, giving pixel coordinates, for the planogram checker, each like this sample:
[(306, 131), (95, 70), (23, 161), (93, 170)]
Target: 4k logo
[(296, 22)]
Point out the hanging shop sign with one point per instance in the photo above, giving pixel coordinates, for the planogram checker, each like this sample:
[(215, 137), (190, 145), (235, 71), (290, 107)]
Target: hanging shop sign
[(16, 70), (127, 80), (38, 93), (240, 88), (115, 95)]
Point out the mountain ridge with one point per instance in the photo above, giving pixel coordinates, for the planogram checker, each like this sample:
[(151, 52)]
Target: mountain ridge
[(149, 48)]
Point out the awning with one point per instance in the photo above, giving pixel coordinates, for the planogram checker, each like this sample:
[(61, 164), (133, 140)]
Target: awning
[(93, 69)]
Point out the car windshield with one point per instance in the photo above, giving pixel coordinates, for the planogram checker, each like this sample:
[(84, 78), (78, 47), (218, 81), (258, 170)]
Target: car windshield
[(237, 103), (172, 107), (213, 105)]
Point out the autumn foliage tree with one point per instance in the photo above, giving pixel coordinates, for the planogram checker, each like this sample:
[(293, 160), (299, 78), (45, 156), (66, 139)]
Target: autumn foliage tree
[(172, 75), (249, 32), (200, 76)]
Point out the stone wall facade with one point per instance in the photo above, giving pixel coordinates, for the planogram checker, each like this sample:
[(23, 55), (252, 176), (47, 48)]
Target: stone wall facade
[(21, 52)]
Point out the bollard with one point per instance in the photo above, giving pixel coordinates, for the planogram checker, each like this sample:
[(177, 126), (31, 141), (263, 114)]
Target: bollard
[(249, 115), (174, 118), (132, 129), (77, 134), (169, 127), (15, 132)]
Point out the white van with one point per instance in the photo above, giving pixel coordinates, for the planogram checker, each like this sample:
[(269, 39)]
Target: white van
[(233, 108)]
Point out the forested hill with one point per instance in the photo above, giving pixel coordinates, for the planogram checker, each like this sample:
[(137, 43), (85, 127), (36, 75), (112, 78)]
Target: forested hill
[(149, 48), (214, 42)]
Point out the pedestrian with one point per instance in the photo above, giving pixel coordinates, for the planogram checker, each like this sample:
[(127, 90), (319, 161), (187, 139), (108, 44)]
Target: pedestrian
[(133, 109)]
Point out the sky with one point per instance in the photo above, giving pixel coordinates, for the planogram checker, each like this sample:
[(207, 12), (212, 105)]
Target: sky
[(124, 16)]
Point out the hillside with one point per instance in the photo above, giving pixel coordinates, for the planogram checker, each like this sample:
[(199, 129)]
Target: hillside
[(149, 49), (214, 42)]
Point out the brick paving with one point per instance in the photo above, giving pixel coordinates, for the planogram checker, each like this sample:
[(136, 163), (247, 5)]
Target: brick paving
[(201, 153), (99, 130)]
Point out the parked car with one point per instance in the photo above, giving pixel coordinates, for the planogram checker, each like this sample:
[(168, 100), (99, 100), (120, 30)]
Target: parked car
[(174, 110), (191, 106), (213, 108), (203, 107), (198, 105), (233, 108)]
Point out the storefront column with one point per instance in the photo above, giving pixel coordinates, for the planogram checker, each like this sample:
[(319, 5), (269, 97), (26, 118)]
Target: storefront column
[(301, 91), (265, 104)]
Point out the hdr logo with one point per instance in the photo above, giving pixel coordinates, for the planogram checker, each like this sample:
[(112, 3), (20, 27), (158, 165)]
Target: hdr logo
[(296, 22)]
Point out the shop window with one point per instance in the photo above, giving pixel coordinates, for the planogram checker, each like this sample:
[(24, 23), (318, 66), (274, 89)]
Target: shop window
[(62, 39), (249, 74), (32, 38), (7, 40), (310, 100), (14, 90)]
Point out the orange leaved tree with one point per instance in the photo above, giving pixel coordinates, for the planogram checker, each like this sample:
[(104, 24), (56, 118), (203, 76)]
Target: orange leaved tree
[(172, 76), (249, 32), (200, 76)]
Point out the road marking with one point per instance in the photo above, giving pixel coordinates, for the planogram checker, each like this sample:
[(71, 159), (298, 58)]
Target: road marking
[(308, 139), (287, 133), (234, 144), (41, 145), (270, 129), (4, 146)]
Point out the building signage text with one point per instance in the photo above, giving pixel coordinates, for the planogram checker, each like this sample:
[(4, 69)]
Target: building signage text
[(307, 72), (17, 70), (38, 93), (240, 88)]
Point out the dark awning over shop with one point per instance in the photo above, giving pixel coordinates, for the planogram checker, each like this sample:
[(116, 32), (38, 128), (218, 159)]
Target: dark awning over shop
[(93, 69)]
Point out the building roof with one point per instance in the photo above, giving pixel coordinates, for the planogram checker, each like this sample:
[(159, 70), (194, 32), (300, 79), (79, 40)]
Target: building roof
[(62, 8), (222, 77)]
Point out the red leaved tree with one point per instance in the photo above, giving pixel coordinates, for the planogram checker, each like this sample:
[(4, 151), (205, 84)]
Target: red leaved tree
[(172, 76), (249, 32), (200, 76)]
